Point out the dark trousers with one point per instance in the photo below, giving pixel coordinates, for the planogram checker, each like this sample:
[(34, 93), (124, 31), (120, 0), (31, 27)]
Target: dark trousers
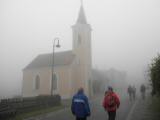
[(81, 118), (111, 115)]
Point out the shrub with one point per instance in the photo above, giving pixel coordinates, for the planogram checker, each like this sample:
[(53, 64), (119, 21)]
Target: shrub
[(154, 73)]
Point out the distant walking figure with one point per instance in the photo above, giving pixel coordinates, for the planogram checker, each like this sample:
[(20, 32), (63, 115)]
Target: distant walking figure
[(134, 92), (143, 91), (80, 106), (111, 103), (130, 92)]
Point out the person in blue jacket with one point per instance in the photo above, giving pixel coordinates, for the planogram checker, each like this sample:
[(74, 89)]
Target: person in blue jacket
[(80, 106)]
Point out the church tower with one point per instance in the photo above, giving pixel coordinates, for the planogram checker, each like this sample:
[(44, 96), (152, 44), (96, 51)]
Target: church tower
[(82, 50)]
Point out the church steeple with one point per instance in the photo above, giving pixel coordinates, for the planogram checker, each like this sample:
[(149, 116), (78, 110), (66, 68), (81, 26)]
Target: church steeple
[(81, 17), (82, 51)]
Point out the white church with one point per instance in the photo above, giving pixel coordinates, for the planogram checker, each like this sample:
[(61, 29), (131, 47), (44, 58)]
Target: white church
[(72, 69)]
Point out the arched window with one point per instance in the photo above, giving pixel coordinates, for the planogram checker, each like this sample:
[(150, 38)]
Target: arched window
[(37, 82), (55, 81), (79, 39)]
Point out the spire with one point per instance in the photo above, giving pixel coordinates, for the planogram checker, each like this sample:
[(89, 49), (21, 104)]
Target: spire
[(81, 17), (81, 2)]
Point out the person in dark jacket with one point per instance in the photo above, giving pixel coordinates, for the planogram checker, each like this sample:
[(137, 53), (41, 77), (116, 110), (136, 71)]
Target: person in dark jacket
[(143, 91), (80, 106)]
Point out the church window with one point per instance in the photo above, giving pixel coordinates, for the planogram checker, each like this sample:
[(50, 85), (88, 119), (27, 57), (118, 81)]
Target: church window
[(79, 39), (55, 81), (37, 82)]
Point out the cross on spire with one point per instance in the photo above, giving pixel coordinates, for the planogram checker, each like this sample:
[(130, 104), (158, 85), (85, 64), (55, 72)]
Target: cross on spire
[(81, 2)]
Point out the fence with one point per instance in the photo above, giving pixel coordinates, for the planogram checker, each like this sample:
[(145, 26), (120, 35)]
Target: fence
[(13, 106)]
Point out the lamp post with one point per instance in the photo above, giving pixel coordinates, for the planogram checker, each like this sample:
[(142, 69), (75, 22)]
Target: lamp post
[(52, 76)]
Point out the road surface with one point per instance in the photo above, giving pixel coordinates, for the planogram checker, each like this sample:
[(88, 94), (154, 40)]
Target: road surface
[(97, 111)]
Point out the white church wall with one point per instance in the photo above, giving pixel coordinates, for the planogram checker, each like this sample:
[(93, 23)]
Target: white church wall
[(28, 82), (64, 82), (64, 86)]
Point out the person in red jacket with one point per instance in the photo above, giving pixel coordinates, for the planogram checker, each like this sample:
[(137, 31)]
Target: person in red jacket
[(111, 103)]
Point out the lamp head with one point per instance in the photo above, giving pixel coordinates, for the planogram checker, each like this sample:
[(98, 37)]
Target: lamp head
[(58, 45)]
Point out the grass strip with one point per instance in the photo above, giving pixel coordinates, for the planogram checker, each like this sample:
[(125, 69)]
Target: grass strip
[(154, 108)]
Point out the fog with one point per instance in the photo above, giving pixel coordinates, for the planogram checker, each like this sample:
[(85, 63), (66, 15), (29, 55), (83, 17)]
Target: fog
[(125, 35)]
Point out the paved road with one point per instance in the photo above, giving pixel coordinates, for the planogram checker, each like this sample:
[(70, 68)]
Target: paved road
[(97, 112), (141, 110)]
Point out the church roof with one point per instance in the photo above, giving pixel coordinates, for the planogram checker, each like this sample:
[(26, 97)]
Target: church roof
[(45, 60), (81, 17)]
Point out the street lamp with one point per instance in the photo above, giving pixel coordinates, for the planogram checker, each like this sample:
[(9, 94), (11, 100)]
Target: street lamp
[(57, 45)]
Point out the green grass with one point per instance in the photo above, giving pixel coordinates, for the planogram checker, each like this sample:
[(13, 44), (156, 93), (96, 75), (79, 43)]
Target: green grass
[(155, 105), (37, 112), (154, 108)]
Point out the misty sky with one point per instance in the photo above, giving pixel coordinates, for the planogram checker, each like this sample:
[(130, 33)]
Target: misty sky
[(125, 36)]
